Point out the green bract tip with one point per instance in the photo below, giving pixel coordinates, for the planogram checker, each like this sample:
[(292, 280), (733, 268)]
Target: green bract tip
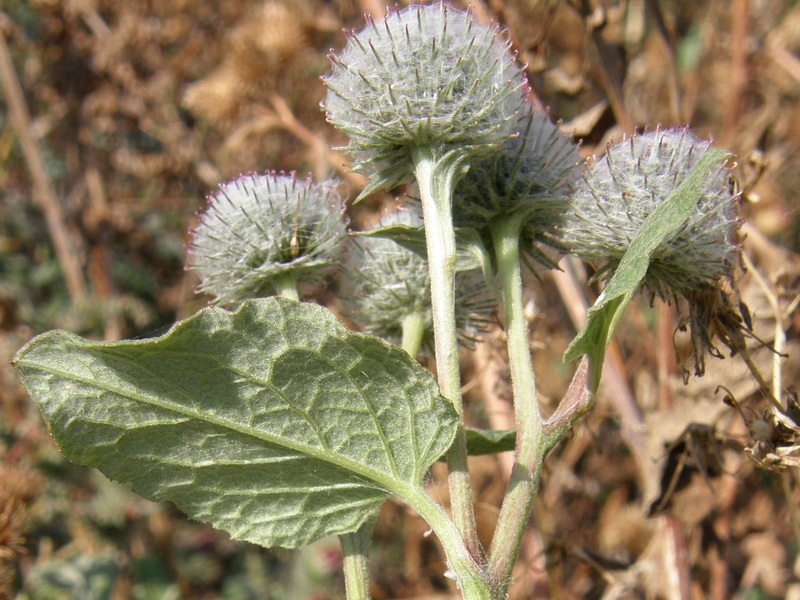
[(425, 76), (258, 228)]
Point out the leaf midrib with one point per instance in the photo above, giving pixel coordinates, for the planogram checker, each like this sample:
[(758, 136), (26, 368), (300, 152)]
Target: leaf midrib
[(386, 483), (245, 375)]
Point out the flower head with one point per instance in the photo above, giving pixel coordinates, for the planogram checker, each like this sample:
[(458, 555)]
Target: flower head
[(390, 282), (257, 228), (637, 175), (696, 261), (529, 177), (425, 76)]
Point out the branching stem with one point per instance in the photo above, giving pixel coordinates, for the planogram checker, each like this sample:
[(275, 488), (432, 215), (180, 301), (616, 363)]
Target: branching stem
[(473, 581)]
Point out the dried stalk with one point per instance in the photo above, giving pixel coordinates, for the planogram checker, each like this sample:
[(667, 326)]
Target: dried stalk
[(43, 192)]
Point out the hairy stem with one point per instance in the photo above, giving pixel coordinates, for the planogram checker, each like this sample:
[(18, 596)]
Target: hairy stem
[(355, 547), (530, 448), (473, 581), (436, 177), (286, 286)]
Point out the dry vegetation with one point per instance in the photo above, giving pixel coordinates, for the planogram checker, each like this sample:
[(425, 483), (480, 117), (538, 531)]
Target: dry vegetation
[(130, 111)]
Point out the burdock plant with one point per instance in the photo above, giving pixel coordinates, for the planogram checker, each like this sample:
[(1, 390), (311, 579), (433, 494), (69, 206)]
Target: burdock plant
[(426, 91), (278, 425)]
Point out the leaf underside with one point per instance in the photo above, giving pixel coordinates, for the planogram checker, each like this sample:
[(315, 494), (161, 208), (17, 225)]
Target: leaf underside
[(273, 423)]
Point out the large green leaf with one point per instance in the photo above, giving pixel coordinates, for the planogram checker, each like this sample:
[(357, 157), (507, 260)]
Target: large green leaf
[(603, 318), (273, 423)]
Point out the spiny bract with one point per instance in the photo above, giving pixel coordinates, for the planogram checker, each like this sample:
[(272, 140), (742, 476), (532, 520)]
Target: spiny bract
[(528, 178), (259, 227), (635, 177), (425, 76)]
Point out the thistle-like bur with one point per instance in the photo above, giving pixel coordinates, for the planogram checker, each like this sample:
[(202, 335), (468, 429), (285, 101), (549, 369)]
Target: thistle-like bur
[(259, 230), (389, 283), (426, 76), (696, 261), (528, 178)]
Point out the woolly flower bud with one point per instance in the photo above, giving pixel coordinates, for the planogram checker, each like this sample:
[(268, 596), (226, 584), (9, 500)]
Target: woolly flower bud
[(530, 176), (425, 76), (258, 228), (635, 177), (390, 283)]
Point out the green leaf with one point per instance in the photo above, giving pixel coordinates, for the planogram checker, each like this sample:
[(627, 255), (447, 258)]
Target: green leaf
[(274, 423), (603, 318), (470, 249), (490, 441), (410, 238)]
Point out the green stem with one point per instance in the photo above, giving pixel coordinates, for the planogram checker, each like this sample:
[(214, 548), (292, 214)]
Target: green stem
[(286, 286), (530, 450), (436, 177), (473, 581), (356, 562), (413, 333)]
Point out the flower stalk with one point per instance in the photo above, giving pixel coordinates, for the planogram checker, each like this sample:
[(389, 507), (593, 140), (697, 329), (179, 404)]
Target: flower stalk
[(436, 178), (355, 547), (530, 450)]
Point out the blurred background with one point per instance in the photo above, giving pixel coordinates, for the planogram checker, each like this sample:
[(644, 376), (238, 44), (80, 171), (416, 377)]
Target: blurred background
[(116, 120)]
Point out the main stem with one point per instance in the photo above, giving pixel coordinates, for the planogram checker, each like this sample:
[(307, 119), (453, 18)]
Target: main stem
[(530, 449), (436, 179)]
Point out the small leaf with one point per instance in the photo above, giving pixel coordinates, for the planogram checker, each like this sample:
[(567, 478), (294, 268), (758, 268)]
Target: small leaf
[(273, 423), (470, 250), (602, 318), (490, 441), (409, 237)]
